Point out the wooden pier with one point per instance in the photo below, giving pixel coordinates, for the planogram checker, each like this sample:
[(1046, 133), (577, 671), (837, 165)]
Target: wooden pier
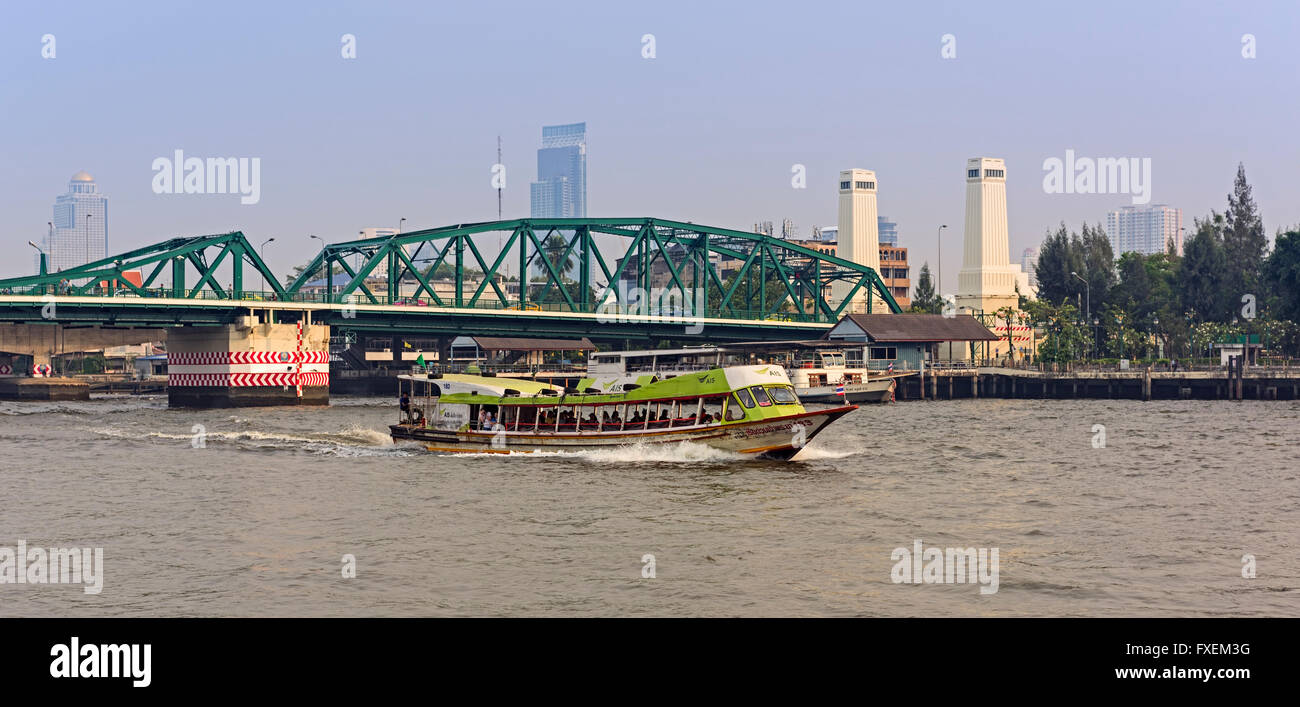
[(1252, 383)]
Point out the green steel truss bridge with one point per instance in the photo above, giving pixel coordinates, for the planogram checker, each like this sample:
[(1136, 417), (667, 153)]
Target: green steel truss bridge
[(610, 278)]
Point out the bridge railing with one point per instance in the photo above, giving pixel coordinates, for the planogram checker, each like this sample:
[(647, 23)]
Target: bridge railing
[(615, 313)]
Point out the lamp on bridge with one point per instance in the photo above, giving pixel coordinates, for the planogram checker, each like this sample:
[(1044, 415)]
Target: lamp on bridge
[(263, 249), (38, 249)]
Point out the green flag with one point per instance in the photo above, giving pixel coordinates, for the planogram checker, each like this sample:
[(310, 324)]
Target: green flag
[(420, 360)]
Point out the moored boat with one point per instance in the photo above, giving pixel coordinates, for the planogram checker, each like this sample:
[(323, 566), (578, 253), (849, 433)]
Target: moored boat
[(748, 410)]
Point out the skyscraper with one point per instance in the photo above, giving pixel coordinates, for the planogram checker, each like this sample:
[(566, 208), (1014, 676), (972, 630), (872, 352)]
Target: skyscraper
[(80, 233), (858, 240), (888, 231), (561, 187), (987, 281), (1145, 229), (1029, 264)]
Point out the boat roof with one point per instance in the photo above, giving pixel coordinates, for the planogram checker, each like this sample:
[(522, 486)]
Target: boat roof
[(522, 385), (742, 347), (707, 383)]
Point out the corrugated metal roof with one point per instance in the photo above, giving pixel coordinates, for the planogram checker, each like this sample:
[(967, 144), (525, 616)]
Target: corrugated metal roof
[(922, 327), (511, 343)]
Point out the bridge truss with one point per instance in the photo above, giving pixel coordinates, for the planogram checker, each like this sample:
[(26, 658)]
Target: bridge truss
[(635, 265)]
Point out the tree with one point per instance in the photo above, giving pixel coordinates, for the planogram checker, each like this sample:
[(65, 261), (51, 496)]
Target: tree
[(1133, 292), (1203, 268), (1060, 255), (1244, 242), (1281, 276), (320, 272), (553, 250), (925, 300), (1099, 264)]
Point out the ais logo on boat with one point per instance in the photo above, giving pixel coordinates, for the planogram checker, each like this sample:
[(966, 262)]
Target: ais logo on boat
[(706, 378)]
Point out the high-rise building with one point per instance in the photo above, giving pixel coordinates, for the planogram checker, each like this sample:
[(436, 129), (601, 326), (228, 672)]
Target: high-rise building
[(1145, 229), (80, 226), (857, 238), (888, 231), (1029, 265), (561, 187), (987, 280)]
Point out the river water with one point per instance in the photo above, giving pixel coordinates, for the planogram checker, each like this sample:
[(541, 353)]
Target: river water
[(1152, 520)]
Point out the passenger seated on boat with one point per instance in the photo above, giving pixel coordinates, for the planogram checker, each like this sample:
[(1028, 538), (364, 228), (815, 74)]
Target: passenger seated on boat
[(707, 419), (405, 404), (604, 417), (613, 419), (590, 419)]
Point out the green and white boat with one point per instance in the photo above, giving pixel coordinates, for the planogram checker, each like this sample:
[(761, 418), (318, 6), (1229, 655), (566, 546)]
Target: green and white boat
[(748, 410)]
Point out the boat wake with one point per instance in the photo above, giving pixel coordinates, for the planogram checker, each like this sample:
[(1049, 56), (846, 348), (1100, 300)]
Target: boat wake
[(351, 441), (676, 453)]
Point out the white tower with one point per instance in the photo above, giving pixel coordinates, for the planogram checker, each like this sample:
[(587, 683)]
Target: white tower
[(858, 239), (986, 281)]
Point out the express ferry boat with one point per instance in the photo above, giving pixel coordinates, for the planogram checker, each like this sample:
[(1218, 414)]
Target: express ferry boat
[(750, 410), (818, 370)]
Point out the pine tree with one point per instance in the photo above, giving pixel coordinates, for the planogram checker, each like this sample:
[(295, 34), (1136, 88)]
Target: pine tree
[(1244, 242), (1203, 271), (925, 300)]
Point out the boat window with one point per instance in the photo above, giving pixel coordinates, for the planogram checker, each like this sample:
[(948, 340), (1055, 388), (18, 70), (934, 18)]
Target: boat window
[(761, 396), (745, 398), (712, 411), (734, 411), (783, 394)]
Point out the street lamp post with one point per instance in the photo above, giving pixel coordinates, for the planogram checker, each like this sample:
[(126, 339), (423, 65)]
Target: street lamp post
[(263, 249), (38, 250), (329, 289), (938, 284), (88, 258), (400, 221), (1088, 312)]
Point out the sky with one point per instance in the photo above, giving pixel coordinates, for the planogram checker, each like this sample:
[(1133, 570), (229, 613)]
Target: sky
[(708, 130)]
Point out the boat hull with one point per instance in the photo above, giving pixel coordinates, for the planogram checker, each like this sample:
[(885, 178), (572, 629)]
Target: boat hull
[(773, 438), (874, 391)]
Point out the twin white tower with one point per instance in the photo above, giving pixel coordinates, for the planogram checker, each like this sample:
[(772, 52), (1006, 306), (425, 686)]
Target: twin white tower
[(987, 280), (859, 235)]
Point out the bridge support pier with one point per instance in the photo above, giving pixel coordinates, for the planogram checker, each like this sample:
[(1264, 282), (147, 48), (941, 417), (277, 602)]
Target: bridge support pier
[(248, 365)]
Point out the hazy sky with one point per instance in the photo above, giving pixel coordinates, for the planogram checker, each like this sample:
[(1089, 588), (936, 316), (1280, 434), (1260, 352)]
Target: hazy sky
[(707, 131)]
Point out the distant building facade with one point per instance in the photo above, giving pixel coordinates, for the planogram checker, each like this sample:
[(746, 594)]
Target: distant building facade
[(896, 273), (1145, 229), (561, 187), (1029, 264), (888, 231), (80, 226)]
